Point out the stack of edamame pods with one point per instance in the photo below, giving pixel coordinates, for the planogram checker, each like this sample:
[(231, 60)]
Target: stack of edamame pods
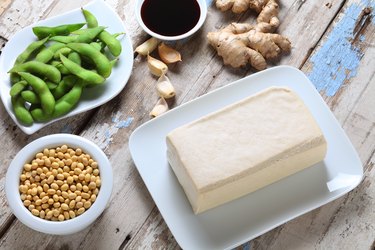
[(48, 77)]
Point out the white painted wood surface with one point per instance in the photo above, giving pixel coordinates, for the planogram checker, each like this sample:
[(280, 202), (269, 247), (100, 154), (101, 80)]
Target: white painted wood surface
[(131, 220)]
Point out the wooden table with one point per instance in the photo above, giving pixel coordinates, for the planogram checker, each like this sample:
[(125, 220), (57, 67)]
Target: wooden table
[(333, 43)]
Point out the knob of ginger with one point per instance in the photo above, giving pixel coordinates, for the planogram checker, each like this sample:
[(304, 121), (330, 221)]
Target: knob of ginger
[(242, 43)]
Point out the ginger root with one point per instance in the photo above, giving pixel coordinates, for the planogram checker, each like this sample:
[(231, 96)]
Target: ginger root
[(267, 20), (241, 43)]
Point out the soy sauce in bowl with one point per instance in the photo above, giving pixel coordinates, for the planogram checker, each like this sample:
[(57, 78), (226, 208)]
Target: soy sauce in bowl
[(170, 17)]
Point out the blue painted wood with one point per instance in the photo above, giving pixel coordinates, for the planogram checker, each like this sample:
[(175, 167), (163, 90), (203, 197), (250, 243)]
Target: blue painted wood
[(338, 59)]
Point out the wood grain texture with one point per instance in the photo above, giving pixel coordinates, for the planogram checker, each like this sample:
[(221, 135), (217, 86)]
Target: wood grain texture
[(4, 5), (331, 226), (131, 220), (13, 139)]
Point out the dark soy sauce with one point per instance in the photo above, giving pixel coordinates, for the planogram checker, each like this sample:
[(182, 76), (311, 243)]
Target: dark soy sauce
[(170, 17)]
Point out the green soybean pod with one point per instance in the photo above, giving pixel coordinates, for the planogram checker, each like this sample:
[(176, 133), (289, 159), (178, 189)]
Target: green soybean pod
[(101, 62), (90, 18), (67, 102), (89, 34), (21, 58), (64, 86), (64, 50), (17, 88), (115, 35), (96, 46), (74, 57), (39, 68), (22, 114), (58, 65), (51, 85), (112, 43), (66, 29), (47, 100), (64, 39), (113, 62), (63, 106), (29, 50), (79, 32), (46, 54), (30, 97), (14, 78), (39, 116), (84, 74)]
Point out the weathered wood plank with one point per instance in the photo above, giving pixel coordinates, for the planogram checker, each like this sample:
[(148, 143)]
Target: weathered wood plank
[(21, 14), (154, 234), (18, 15), (320, 229), (4, 5), (131, 183), (131, 206)]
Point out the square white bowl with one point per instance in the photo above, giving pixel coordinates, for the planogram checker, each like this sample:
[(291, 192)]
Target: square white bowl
[(91, 97)]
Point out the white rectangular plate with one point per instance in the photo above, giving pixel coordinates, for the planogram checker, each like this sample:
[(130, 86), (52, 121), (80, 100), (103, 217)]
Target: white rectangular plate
[(241, 220)]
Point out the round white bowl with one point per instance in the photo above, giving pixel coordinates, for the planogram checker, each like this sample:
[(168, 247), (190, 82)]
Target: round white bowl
[(203, 14), (58, 227)]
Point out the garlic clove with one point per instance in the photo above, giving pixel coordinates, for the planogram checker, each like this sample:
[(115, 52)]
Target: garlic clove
[(164, 87), (160, 108), (147, 47), (168, 54), (156, 66)]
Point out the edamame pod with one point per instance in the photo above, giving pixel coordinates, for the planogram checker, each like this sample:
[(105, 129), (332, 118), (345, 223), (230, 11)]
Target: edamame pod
[(118, 34), (63, 70), (30, 97), (25, 55), (113, 62), (84, 74), (17, 88), (64, 86), (112, 43), (40, 87), (46, 54), (101, 62), (69, 100), (64, 50), (89, 35), (78, 32), (96, 46), (44, 31), (64, 39), (38, 115), (63, 105), (51, 85), (90, 18), (21, 113), (39, 68), (83, 36), (14, 78), (74, 57), (29, 50)]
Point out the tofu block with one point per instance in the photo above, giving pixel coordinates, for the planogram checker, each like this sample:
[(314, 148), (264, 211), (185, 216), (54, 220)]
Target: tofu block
[(244, 147)]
